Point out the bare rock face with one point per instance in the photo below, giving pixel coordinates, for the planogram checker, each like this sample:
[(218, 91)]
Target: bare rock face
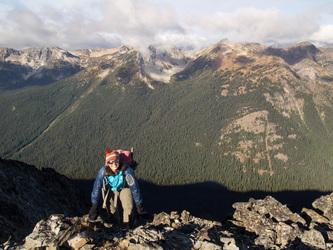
[(50, 64), (307, 61), (325, 204), (28, 195), (278, 227), (161, 64)]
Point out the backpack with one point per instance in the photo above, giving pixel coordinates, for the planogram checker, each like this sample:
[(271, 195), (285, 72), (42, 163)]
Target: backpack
[(127, 157)]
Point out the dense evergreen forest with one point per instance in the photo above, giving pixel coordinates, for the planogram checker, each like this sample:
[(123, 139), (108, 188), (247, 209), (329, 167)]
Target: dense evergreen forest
[(175, 129)]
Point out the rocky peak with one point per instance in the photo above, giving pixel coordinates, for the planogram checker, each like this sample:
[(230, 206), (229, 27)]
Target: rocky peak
[(296, 53), (54, 64), (307, 61), (224, 56), (215, 50), (226, 48), (5, 52), (303, 60), (160, 63), (93, 53), (38, 57), (36, 65)]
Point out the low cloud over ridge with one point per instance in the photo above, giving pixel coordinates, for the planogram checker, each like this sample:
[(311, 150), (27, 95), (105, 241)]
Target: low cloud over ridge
[(105, 24)]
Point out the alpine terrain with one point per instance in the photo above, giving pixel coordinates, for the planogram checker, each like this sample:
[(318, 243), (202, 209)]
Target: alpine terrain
[(246, 116), (42, 209)]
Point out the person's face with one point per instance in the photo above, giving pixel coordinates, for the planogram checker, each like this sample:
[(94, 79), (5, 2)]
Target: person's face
[(114, 165)]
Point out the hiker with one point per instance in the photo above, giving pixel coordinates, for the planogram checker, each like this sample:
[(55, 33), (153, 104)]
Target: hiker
[(122, 185)]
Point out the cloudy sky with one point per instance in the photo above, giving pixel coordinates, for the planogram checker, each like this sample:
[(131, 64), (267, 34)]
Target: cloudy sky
[(78, 24)]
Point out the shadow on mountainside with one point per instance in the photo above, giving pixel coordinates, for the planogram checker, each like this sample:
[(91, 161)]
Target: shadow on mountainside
[(208, 200)]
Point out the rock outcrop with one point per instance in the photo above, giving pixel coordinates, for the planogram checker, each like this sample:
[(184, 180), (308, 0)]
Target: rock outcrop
[(28, 195), (256, 224), (276, 226)]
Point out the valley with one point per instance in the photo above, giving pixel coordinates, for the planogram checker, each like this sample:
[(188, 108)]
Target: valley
[(246, 116)]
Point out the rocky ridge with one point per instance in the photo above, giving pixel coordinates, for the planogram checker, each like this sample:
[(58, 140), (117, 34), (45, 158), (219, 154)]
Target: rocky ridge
[(29, 196), (256, 224), (51, 64), (159, 64)]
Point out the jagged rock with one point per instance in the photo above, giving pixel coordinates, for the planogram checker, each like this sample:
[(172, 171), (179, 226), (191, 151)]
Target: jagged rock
[(142, 235), (325, 204), (277, 226), (162, 219), (286, 233), (185, 216), (228, 243), (314, 216), (45, 232), (256, 224), (207, 245), (60, 231), (314, 238), (28, 195), (267, 239), (268, 218), (78, 240)]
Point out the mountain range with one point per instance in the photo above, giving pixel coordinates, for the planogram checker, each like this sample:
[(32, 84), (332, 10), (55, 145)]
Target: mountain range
[(247, 116)]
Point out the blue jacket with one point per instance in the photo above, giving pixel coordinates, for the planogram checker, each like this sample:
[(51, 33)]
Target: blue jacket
[(131, 182)]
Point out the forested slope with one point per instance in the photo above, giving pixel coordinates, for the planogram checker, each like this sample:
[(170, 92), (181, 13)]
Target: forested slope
[(245, 120)]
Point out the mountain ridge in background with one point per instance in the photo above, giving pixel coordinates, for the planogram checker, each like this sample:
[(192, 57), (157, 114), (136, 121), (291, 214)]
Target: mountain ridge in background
[(247, 116)]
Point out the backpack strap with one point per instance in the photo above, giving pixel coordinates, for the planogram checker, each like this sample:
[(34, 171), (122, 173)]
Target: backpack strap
[(124, 175), (115, 200), (105, 192)]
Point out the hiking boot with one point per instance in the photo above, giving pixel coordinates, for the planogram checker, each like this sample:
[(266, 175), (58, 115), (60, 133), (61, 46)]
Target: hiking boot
[(142, 212), (125, 226), (98, 219)]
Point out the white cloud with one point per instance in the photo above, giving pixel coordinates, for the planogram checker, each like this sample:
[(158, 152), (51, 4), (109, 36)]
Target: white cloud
[(138, 20), (324, 34), (75, 24), (254, 25), (23, 26), (181, 40)]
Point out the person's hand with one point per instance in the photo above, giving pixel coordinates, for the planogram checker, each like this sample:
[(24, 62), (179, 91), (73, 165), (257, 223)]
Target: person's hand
[(93, 212)]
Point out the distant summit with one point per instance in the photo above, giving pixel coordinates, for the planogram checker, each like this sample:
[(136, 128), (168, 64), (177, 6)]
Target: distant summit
[(48, 64), (45, 65)]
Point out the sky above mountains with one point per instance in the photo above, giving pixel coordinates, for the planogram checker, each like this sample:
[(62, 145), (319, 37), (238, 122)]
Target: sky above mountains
[(79, 24)]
